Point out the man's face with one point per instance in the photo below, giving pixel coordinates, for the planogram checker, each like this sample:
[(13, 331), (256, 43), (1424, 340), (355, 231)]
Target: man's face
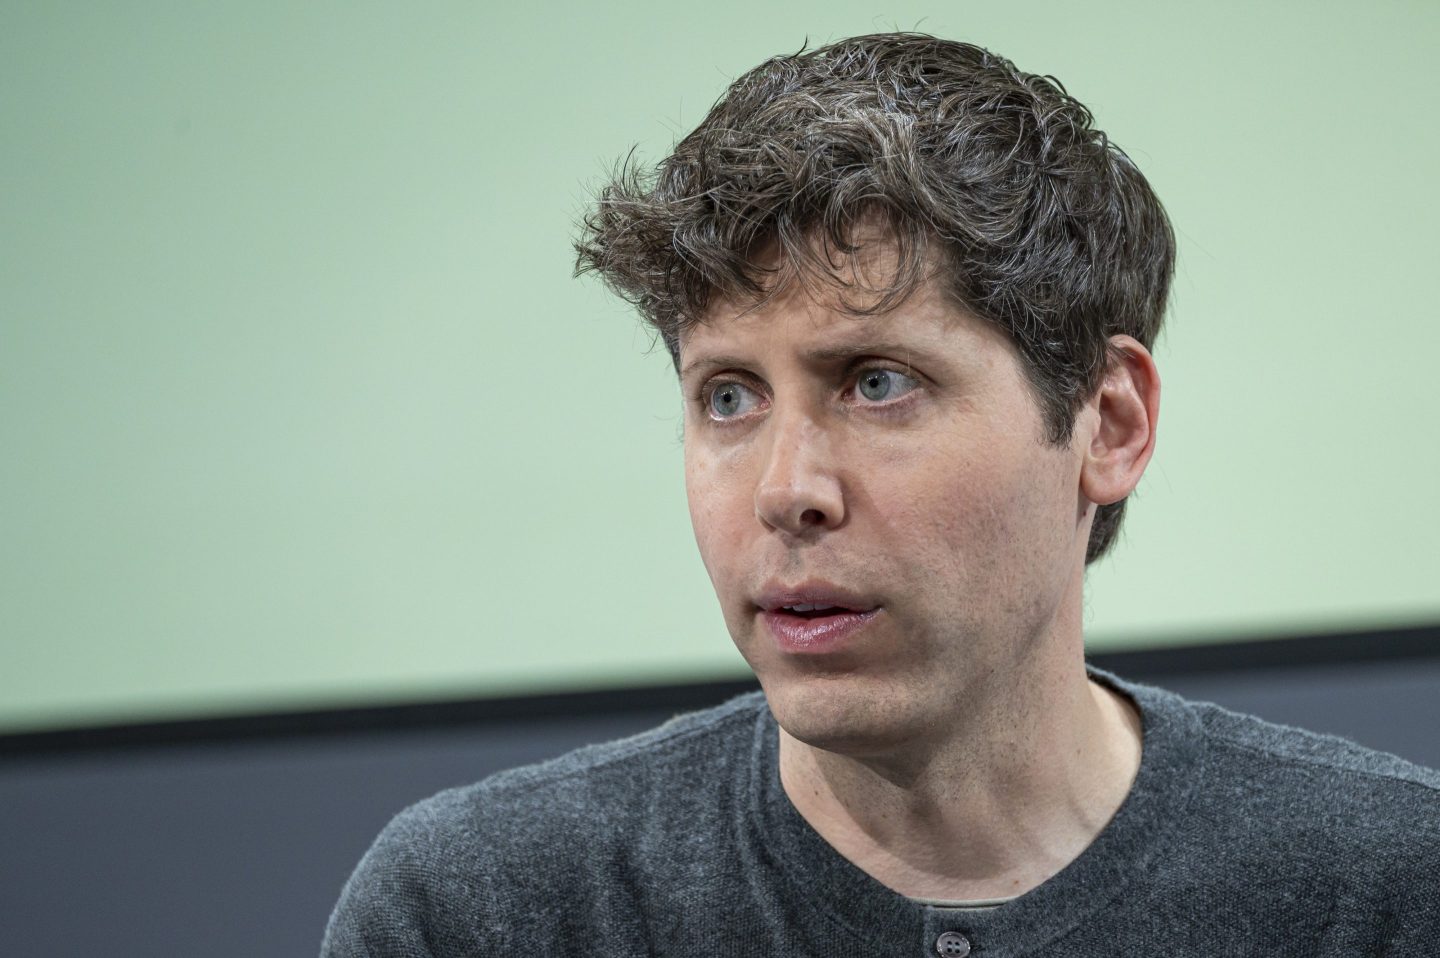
[(894, 469)]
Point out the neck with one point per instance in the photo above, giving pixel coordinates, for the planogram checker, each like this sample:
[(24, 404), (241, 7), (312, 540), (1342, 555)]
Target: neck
[(991, 809)]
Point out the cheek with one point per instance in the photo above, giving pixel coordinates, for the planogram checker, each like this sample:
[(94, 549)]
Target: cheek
[(939, 511), (718, 508), (980, 520)]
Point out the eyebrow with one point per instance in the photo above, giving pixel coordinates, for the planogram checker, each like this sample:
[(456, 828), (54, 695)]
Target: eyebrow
[(821, 356)]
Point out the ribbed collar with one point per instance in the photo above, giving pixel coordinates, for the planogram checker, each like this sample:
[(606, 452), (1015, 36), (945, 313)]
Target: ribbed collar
[(1171, 763)]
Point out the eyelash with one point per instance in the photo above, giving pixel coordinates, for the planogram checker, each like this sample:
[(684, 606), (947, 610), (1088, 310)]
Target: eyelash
[(707, 391)]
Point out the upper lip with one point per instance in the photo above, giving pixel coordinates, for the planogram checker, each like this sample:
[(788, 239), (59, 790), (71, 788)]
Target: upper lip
[(776, 596)]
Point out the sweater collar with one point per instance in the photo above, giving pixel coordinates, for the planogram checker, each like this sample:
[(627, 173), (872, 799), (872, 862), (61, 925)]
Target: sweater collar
[(1172, 755)]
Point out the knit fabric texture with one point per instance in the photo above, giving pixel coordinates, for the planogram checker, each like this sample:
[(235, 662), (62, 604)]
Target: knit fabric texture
[(1238, 837)]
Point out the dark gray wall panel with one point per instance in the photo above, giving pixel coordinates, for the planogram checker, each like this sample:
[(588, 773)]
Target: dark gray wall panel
[(233, 850)]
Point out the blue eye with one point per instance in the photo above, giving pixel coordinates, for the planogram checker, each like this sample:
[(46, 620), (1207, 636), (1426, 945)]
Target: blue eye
[(730, 399), (878, 385)]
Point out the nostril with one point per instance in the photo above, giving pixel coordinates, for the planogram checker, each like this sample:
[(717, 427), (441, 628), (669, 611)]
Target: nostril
[(812, 517)]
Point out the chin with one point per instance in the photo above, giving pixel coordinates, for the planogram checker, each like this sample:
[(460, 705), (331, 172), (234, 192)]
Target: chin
[(839, 714)]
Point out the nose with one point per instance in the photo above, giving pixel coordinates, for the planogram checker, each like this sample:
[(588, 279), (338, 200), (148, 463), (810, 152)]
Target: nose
[(799, 491)]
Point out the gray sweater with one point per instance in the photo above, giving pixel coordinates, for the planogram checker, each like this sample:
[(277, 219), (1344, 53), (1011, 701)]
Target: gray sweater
[(1238, 838)]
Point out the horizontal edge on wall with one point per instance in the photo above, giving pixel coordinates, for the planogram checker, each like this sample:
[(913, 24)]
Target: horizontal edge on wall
[(1154, 664)]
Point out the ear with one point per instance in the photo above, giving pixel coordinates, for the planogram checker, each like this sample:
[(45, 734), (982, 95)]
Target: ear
[(1125, 410)]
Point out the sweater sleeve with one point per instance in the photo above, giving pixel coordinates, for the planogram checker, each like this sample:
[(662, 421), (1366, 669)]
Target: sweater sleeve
[(411, 896), (1388, 905), (1412, 928)]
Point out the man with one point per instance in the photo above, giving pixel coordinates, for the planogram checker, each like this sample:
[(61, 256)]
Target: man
[(910, 292)]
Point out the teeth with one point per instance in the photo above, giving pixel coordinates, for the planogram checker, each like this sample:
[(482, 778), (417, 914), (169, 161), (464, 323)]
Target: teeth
[(807, 607)]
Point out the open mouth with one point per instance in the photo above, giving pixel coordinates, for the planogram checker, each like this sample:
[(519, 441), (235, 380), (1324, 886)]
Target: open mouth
[(814, 617), (814, 611), (816, 629)]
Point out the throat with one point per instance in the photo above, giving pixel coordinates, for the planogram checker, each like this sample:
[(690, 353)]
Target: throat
[(995, 824)]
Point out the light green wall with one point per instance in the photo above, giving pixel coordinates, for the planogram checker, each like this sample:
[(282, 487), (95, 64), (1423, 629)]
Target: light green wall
[(299, 404)]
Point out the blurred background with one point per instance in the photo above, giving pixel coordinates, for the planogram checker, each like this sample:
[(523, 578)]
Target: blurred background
[(324, 485)]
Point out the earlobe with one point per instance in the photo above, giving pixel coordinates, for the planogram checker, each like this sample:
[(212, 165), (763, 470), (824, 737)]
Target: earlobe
[(1127, 405)]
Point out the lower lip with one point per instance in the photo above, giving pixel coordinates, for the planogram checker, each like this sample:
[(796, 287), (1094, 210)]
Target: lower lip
[(813, 636)]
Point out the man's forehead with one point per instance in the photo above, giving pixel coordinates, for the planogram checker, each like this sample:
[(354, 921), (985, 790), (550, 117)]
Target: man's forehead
[(823, 324)]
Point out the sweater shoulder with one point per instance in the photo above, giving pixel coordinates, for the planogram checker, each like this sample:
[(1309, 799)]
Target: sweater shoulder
[(597, 789), (1364, 821), (461, 865), (1288, 746), (1309, 790)]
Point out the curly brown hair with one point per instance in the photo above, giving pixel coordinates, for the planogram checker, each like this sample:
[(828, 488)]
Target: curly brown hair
[(1041, 224)]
